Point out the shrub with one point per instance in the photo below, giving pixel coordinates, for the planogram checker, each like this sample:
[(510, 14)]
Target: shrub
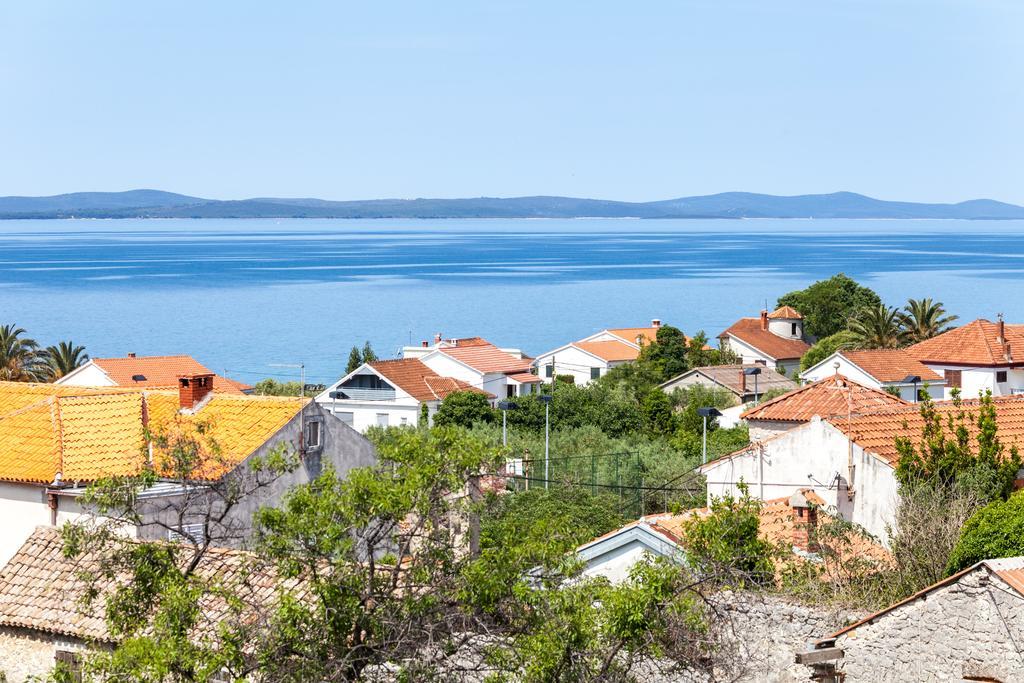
[(996, 530), (465, 409)]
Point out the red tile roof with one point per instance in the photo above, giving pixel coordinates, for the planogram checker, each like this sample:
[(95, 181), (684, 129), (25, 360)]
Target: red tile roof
[(876, 431), (412, 376), (785, 313), (610, 351), (975, 343), (748, 331), (649, 334), (161, 371), (728, 376), (891, 365), (525, 377), (487, 358), (835, 395)]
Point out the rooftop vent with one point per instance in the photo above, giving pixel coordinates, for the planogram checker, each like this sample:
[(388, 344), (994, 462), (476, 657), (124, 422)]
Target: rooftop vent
[(138, 378)]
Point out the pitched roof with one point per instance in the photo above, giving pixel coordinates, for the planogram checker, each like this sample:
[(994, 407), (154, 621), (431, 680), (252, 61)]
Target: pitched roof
[(412, 376), (649, 334), (487, 358), (610, 350), (161, 371), (835, 395), (785, 313), (728, 376), (41, 588), (748, 331), (87, 433), (876, 430), (890, 365), (975, 343)]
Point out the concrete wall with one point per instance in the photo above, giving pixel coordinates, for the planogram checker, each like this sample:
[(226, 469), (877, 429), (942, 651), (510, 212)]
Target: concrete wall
[(974, 381), (765, 429), (29, 655), (570, 361), (782, 327), (403, 410), (89, 375), (750, 355), (962, 630)]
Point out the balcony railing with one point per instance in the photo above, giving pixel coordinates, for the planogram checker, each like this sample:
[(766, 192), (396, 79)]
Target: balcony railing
[(365, 394)]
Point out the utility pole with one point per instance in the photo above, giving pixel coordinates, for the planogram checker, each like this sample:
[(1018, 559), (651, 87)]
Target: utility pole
[(547, 437)]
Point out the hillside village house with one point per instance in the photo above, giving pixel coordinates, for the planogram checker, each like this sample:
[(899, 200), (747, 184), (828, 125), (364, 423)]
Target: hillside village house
[(775, 339), (591, 357), (737, 380), (503, 373), (894, 370), (389, 393), (976, 357), (967, 627), (835, 395), (146, 372), (848, 458), (56, 439)]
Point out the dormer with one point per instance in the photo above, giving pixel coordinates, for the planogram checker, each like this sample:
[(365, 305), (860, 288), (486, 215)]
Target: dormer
[(785, 322)]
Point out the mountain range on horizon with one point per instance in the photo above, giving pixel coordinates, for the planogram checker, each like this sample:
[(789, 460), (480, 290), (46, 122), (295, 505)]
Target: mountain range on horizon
[(160, 204)]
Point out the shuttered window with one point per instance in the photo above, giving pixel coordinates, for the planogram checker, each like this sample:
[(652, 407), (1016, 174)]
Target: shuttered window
[(953, 379)]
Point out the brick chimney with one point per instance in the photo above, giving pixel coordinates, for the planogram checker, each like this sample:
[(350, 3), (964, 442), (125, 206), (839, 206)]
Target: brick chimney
[(743, 383), (1000, 329), (655, 323), (437, 339), (192, 389), (764, 320), (425, 343), (131, 355), (805, 523)]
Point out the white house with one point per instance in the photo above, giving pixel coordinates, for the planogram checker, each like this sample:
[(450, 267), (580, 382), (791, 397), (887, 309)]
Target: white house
[(976, 357), (887, 369), (737, 380), (849, 458), (145, 372), (483, 365), (775, 339), (389, 393), (589, 358)]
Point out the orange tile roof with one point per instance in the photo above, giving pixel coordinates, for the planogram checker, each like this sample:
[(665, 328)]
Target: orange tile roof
[(413, 377), (161, 371), (728, 376), (610, 350), (972, 344), (649, 334), (41, 588), (525, 377), (487, 358), (748, 331), (835, 395), (876, 431), (785, 313), (86, 433), (891, 365)]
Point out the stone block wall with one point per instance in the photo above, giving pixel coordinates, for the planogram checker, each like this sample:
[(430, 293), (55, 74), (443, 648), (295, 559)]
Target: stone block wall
[(25, 654)]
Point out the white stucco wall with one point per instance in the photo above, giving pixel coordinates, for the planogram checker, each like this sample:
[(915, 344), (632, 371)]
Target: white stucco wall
[(446, 366), (814, 455), (89, 375), (569, 361), (750, 355), (826, 368), (364, 413), (781, 327), (614, 556), (766, 429)]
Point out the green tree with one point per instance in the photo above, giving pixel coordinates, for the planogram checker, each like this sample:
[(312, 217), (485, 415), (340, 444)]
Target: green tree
[(923, 319), (355, 359), (19, 356), (272, 387), (996, 530), (667, 355), (465, 409), (656, 411), (63, 358), (829, 305), (823, 348), (699, 354), (726, 543), (878, 327), (368, 354)]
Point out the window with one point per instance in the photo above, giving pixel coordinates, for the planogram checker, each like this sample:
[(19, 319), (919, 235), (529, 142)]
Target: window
[(405, 421), (510, 390), (314, 434), (952, 379), (595, 373), (549, 370), (70, 662), (347, 418), (1000, 376), (382, 419), (189, 533), (793, 331)]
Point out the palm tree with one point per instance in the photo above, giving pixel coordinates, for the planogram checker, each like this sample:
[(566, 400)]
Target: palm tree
[(19, 356), (63, 358), (923, 319), (879, 327)]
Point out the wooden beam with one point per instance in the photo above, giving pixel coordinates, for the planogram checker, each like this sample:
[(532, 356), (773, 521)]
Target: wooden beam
[(815, 656)]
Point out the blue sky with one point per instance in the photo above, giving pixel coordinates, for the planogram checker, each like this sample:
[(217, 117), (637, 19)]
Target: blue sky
[(900, 99)]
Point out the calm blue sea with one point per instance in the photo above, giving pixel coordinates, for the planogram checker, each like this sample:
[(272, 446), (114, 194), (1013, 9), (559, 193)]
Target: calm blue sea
[(242, 295)]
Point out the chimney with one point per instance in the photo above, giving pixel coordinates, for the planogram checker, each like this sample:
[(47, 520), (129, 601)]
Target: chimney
[(639, 340), (743, 383), (193, 389), (1000, 329), (805, 523), (437, 339), (1006, 352), (425, 343), (131, 355), (655, 323), (764, 320)]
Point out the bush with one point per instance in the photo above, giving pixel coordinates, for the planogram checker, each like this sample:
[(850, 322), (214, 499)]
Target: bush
[(465, 409), (823, 348), (726, 543), (996, 530)]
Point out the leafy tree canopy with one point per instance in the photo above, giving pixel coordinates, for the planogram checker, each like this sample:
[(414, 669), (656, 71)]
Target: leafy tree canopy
[(829, 305), (357, 357), (272, 387), (465, 409), (726, 543), (823, 348), (996, 530)]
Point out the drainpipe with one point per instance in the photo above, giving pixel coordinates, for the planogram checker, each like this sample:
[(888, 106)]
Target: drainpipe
[(51, 499)]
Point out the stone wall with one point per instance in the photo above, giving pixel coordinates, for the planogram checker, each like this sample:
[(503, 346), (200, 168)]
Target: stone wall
[(26, 654), (970, 628)]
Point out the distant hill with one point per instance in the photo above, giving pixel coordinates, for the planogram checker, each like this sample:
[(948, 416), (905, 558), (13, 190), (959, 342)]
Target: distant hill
[(157, 204)]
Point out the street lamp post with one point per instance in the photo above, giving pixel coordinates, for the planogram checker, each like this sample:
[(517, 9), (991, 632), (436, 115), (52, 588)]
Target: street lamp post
[(546, 399), (755, 372), (706, 413), (505, 406)]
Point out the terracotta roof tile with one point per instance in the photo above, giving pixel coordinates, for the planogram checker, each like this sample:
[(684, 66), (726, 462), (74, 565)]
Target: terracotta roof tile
[(85, 433), (876, 431), (728, 376), (161, 372), (972, 344), (487, 358), (785, 313), (412, 376), (748, 331), (835, 395), (890, 365), (649, 334), (610, 350), (525, 377)]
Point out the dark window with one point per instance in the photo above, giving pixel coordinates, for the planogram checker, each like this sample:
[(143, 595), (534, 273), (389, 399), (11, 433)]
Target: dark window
[(510, 391), (1001, 376), (70, 662), (549, 370), (595, 373), (794, 329), (952, 379), (314, 434)]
